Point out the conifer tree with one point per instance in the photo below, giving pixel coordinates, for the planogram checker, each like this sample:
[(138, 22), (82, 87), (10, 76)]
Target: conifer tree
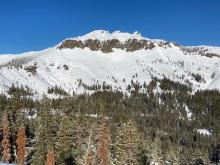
[(103, 148), (21, 145), (156, 153), (89, 156), (46, 132), (185, 157), (172, 156), (198, 157), (146, 142), (15, 115), (126, 145), (6, 146), (65, 145), (205, 158), (84, 131), (50, 157)]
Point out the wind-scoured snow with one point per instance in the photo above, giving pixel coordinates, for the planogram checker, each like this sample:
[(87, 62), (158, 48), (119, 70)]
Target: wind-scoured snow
[(117, 68)]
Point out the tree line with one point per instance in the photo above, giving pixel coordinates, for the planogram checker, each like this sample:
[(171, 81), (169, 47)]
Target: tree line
[(112, 127)]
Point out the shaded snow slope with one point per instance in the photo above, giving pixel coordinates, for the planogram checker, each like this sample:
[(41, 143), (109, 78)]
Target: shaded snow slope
[(68, 67)]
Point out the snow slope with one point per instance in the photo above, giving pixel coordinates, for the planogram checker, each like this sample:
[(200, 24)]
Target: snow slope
[(67, 67), (204, 132), (103, 35)]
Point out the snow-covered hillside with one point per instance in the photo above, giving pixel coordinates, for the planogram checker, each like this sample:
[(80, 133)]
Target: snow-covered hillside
[(131, 57)]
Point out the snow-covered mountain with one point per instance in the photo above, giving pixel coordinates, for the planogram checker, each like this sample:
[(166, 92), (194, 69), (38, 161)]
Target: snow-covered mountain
[(114, 59)]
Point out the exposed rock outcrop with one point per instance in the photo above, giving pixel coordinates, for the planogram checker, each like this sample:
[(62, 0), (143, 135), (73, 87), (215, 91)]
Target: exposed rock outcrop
[(107, 46)]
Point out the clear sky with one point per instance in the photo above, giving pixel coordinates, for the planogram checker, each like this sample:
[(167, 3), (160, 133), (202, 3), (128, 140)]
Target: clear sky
[(37, 24)]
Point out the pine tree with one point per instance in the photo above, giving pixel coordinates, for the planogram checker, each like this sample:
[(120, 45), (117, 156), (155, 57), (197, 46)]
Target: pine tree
[(172, 156), (6, 157), (185, 157), (156, 153), (205, 158), (50, 157), (21, 145), (89, 155), (104, 141), (198, 157), (46, 132), (146, 142), (126, 145), (65, 144), (84, 133), (16, 116)]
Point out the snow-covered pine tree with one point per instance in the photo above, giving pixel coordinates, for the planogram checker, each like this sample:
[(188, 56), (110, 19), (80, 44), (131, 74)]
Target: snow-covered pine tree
[(126, 145)]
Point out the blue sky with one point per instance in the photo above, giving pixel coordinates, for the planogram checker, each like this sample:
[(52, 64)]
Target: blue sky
[(37, 24)]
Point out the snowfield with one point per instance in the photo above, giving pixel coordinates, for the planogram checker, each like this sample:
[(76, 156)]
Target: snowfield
[(103, 35), (66, 68), (204, 132)]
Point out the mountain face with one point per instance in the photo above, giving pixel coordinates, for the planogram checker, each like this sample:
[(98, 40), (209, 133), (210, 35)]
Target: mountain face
[(108, 59)]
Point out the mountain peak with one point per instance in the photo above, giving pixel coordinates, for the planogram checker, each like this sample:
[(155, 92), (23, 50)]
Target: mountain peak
[(104, 35), (82, 62)]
